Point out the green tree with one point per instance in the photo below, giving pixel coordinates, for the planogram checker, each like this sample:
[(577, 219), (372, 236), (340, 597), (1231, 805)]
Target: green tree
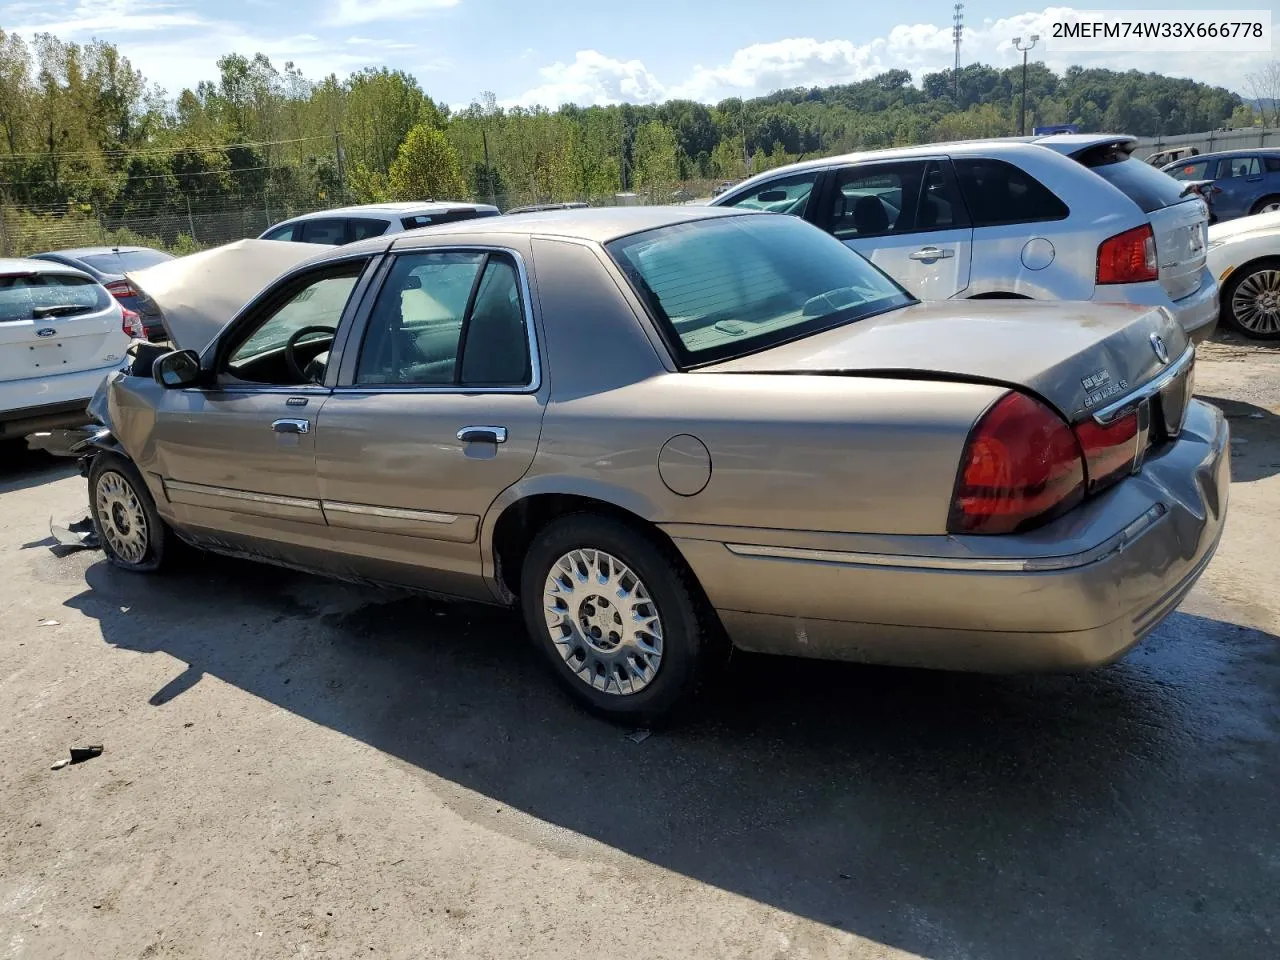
[(655, 156), (426, 167)]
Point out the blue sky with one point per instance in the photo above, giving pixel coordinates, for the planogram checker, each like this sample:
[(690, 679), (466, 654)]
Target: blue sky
[(585, 51)]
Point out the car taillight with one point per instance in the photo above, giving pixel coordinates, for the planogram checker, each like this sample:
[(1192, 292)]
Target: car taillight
[(1021, 464), (1128, 257), (131, 324), (121, 288), (1110, 451)]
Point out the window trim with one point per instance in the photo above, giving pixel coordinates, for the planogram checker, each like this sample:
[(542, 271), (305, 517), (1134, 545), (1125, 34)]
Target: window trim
[(973, 221), (346, 384), (948, 171)]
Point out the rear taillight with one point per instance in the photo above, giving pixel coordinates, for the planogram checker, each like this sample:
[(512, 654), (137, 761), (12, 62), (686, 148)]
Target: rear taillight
[(1110, 451), (121, 288), (1021, 465), (131, 324), (1128, 257)]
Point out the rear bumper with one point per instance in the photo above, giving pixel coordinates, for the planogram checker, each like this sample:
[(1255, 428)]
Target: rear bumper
[(1196, 313), (1152, 537), (49, 402)]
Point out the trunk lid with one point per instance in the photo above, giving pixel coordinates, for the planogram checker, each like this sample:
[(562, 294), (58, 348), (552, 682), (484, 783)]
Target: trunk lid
[(195, 296), (55, 322), (1077, 356), (1182, 242)]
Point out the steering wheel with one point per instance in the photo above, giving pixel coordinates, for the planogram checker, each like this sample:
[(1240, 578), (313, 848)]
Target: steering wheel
[(290, 357)]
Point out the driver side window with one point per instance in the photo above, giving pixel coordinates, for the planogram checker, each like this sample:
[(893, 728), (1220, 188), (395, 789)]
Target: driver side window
[(265, 355)]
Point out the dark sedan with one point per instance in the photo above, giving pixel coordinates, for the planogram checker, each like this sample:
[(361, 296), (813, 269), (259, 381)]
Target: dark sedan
[(108, 266)]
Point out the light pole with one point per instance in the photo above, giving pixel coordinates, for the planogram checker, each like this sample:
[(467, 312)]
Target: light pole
[(1022, 114)]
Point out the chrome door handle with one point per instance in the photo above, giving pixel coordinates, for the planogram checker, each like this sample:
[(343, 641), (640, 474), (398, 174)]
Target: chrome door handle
[(291, 426), (483, 435), (933, 253)]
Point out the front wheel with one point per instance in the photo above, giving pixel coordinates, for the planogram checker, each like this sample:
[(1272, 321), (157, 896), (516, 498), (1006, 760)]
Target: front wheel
[(1251, 301), (618, 617), (133, 535)]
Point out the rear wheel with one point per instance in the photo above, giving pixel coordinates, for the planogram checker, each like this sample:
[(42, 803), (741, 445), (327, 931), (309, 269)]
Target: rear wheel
[(618, 617), (1251, 300), (1266, 205), (132, 533)]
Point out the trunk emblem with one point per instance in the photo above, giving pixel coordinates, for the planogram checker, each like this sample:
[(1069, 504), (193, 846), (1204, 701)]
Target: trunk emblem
[(1157, 344), (47, 332)]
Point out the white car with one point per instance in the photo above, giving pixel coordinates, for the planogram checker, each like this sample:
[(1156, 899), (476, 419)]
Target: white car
[(349, 224), (61, 333), (1244, 254)]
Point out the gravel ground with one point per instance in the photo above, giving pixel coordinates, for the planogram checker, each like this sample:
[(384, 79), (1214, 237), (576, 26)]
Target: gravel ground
[(295, 768)]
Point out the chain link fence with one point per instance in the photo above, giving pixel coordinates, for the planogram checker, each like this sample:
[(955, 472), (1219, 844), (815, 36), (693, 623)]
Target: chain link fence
[(186, 224)]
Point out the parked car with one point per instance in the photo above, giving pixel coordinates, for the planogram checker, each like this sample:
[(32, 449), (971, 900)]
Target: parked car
[(61, 333), (1245, 182), (543, 207), (108, 265), (656, 428), (1244, 254), (1171, 154), (349, 224), (1063, 217)]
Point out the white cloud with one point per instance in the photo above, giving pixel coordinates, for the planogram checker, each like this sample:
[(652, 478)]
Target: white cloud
[(98, 16), (372, 11), (596, 78), (592, 79)]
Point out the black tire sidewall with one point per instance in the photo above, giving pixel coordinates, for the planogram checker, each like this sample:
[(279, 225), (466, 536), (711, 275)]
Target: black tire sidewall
[(1228, 314), (672, 592), (157, 533)]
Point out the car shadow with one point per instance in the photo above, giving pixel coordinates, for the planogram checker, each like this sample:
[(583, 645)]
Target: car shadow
[(21, 467), (1255, 439), (1130, 812)]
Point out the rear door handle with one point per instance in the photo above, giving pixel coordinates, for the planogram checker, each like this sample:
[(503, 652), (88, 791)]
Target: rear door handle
[(291, 426), (933, 253), (483, 435)]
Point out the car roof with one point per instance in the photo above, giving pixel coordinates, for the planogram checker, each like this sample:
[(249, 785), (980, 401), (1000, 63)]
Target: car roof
[(12, 265), (78, 252), (1238, 152), (399, 209), (594, 225)]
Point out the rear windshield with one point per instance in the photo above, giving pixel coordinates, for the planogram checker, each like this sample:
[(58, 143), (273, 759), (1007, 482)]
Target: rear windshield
[(728, 287), (41, 296), (126, 260), (1149, 188), (446, 216)]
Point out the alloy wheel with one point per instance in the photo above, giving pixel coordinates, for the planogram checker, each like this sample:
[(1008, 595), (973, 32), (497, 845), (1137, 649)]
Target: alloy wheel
[(122, 517), (1256, 302), (603, 622)]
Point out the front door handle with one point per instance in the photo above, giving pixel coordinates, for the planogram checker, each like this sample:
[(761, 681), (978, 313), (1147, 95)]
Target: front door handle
[(933, 253), (291, 426), (483, 435)]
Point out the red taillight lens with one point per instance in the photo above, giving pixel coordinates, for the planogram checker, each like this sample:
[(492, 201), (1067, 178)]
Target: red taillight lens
[(131, 324), (1022, 464), (1129, 257), (1109, 452), (121, 288)]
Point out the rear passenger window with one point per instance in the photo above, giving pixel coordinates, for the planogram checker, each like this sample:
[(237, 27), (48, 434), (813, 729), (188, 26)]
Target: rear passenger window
[(362, 229), (447, 318), (1239, 167), (999, 193), (1273, 164)]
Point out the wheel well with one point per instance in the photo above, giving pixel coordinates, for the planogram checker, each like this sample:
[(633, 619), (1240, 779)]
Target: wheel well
[(1000, 295), (520, 523), (1269, 198)]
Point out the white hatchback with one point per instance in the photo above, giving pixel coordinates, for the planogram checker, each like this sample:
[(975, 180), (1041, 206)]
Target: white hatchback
[(61, 333)]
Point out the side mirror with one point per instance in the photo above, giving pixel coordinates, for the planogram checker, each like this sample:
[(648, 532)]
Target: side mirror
[(178, 369)]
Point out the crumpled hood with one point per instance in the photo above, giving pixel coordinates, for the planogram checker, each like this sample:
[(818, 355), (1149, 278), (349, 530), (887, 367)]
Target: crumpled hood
[(1240, 226), (197, 295)]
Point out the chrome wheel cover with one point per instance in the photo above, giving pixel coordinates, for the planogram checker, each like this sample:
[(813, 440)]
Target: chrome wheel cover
[(1271, 207), (603, 622), (121, 517), (1256, 302)]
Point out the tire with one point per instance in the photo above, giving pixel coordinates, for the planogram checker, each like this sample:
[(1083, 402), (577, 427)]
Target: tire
[(122, 506), (685, 630), (1256, 282), (1261, 206)]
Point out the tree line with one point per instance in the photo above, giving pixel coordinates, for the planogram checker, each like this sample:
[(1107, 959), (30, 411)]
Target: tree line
[(81, 128)]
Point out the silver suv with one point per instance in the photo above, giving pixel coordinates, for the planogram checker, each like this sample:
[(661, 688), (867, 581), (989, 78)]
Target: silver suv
[(1066, 217)]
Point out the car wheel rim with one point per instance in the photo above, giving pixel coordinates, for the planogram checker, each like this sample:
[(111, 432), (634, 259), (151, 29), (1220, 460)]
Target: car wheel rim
[(1256, 302), (121, 517), (1270, 207), (603, 622)]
